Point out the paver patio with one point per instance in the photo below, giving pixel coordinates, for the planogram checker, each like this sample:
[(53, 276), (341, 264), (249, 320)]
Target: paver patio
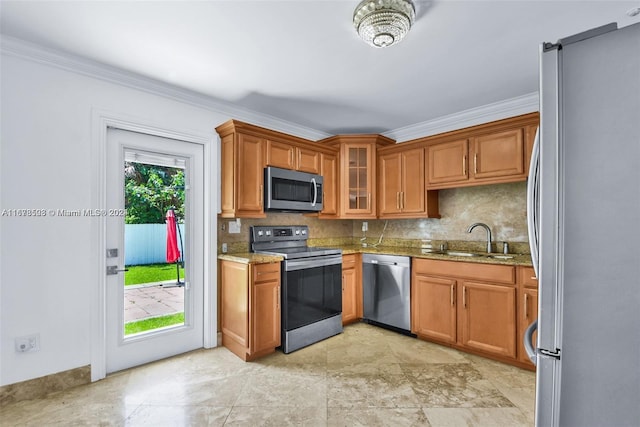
[(152, 300)]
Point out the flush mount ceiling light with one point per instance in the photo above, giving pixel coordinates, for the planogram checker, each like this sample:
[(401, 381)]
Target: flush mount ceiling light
[(382, 23)]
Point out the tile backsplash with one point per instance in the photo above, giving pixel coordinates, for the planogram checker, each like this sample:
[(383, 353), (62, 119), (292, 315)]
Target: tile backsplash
[(502, 207)]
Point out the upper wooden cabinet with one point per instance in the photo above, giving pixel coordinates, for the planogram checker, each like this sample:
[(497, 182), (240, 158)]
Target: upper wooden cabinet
[(307, 160), (401, 185), (357, 174), (329, 172), (448, 162), (281, 155), (492, 153), (288, 156), (498, 154), (246, 150), (242, 175)]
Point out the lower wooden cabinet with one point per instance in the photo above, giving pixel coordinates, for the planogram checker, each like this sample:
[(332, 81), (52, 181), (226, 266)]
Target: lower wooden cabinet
[(470, 306), (488, 318), (351, 288), (250, 308), (433, 305)]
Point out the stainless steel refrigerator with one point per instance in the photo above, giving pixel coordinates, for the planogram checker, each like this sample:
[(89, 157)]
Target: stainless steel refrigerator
[(584, 226)]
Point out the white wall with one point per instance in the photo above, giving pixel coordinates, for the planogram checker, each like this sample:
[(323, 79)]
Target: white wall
[(49, 263)]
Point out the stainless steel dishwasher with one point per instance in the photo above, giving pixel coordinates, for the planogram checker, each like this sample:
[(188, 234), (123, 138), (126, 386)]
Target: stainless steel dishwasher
[(386, 291)]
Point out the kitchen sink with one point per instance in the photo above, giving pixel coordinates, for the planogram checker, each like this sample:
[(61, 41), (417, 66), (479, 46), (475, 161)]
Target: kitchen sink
[(501, 256), (456, 253), (469, 254)]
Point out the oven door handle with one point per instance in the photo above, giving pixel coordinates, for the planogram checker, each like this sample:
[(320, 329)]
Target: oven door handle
[(312, 262)]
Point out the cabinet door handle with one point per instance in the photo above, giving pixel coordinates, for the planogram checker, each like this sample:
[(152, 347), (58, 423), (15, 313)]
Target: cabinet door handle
[(464, 165), (526, 306), (402, 200), (464, 296), (475, 163), (453, 290), (260, 196)]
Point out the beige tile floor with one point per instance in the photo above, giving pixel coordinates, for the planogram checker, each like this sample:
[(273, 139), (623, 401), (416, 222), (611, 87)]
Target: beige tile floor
[(366, 376)]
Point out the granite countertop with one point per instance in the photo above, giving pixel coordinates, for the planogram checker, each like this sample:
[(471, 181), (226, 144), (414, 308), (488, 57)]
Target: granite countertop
[(250, 258), (518, 259)]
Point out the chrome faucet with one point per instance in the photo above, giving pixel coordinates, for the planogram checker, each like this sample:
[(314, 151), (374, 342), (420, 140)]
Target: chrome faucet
[(486, 227)]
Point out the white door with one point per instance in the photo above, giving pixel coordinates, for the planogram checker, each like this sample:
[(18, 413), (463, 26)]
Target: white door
[(183, 292)]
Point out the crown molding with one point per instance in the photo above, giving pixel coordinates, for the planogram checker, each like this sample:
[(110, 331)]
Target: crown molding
[(29, 51), (474, 116)]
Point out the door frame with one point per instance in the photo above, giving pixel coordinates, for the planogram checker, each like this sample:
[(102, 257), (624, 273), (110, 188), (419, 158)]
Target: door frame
[(101, 120)]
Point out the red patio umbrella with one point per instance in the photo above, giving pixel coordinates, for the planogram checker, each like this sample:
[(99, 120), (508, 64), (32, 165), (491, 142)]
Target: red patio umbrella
[(173, 254)]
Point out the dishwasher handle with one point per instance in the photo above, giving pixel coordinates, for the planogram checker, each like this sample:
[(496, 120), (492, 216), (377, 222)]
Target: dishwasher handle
[(386, 260), (375, 261)]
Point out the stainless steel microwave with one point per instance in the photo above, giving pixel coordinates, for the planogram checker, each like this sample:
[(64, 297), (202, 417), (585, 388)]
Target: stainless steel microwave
[(292, 191)]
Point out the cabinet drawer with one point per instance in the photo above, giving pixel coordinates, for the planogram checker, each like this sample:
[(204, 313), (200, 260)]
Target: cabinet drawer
[(528, 277), (266, 272), (348, 261), (476, 271)]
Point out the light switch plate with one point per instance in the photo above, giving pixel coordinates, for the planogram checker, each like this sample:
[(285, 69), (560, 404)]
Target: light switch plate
[(234, 227)]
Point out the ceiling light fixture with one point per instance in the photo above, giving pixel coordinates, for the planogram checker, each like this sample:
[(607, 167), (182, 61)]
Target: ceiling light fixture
[(383, 23), (633, 12)]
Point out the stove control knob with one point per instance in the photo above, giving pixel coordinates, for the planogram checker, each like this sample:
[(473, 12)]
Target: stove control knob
[(260, 233), (297, 232), (268, 232), (304, 232)]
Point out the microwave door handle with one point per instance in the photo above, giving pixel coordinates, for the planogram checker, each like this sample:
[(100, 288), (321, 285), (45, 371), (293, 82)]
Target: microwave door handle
[(315, 191)]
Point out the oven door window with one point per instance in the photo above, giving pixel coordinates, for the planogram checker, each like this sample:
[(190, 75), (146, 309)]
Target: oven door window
[(311, 295)]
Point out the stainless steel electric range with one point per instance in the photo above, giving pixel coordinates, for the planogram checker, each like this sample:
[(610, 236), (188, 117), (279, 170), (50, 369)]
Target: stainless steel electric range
[(311, 284)]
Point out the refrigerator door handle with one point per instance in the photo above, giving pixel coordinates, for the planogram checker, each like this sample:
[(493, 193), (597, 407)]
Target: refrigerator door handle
[(533, 189), (528, 337)]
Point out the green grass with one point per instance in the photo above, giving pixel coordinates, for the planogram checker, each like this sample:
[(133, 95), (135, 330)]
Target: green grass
[(138, 274), (153, 323)]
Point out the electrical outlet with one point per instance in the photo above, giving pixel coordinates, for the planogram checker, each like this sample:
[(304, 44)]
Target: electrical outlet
[(224, 248), (365, 226), (28, 343)]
